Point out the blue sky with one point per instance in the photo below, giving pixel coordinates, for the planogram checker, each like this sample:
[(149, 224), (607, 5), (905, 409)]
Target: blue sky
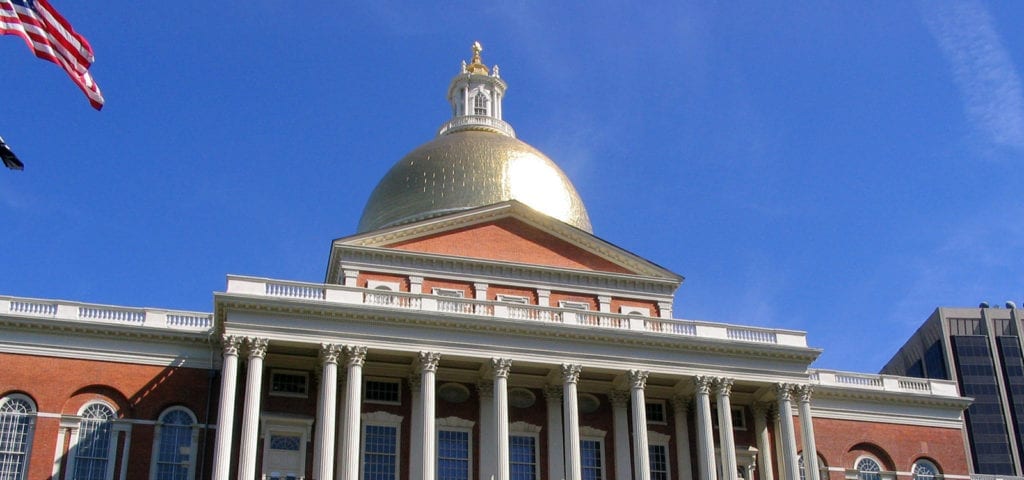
[(841, 168)]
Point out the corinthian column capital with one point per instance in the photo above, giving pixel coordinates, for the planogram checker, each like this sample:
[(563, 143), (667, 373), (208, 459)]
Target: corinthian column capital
[(571, 373), (257, 347), (638, 379)]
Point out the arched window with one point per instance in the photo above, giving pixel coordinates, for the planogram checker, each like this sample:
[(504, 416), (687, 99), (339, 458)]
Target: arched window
[(822, 467), (17, 415), (925, 470), (93, 449), (868, 469), (173, 457), (480, 104)]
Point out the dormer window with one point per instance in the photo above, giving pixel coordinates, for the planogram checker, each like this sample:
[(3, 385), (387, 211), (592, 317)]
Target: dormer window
[(480, 104)]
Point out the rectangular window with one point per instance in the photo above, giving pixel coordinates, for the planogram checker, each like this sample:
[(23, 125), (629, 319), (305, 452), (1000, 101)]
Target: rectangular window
[(452, 455), (656, 411), (383, 391), (590, 458), (380, 452), (289, 383), (523, 457), (659, 461)]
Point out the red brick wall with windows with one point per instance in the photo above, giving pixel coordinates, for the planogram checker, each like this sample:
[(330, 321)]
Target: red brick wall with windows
[(138, 392)]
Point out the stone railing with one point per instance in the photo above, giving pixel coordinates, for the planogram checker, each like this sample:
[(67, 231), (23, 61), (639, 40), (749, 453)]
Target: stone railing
[(887, 383), (106, 314), (339, 294), (468, 122)]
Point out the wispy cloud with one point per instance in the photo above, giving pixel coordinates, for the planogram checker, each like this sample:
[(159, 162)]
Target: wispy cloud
[(982, 69)]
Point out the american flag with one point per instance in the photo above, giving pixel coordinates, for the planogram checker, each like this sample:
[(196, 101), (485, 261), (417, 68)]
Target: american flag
[(51, 37)]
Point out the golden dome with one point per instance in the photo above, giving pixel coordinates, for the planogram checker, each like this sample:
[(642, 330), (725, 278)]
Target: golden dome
[(469, 169)]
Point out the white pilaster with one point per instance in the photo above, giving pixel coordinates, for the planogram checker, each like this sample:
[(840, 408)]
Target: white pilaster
[(416, 453), (226, 409), (620, 421), (723, 387), (428, 376), (251, 412), (556, 452), (681, 414), (764, 445), (791, 468), (641, 452), (488, 431), (570, 409), (705, 436), (807, 430), (329, 354), (355, 356), (501, 368)]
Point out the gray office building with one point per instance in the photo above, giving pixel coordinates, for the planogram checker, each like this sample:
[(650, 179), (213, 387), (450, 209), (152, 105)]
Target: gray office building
[(979, 348)]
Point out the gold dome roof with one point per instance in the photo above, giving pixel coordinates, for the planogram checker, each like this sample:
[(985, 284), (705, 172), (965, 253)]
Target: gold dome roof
[(469, 169)]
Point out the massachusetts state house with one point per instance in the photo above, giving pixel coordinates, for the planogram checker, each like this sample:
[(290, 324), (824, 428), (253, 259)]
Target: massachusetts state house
[(473, 328)]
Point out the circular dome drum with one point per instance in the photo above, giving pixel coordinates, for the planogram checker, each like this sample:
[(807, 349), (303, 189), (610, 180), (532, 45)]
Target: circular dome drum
[(469, 169)]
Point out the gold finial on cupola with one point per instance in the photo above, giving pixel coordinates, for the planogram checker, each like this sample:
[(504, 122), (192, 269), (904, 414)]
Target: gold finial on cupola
[(476, 65)]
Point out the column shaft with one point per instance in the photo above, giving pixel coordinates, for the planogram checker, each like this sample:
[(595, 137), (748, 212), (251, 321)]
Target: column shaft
[(488, 431), (783, 391), (641, 452), (723, 387), (355, 356), (226, 408), (681, 413), (764, 446), (556, 449), (705, 435), (251, 413), (428, 370), (416, 453), (501, 371), (620, 419), (328, 401), (807, 430), (570, 409)]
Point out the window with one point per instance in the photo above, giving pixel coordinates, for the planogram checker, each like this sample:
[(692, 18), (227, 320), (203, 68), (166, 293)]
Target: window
[(739, 420), (591, 459), (480, 104), (659, 461), (382, 391), (174, 444), (868, 469), (453, 454), (925, 470), (523, 457), (93, 452), (380, 452), (17, 415), (284, 445), (288, 383), (656, 411)]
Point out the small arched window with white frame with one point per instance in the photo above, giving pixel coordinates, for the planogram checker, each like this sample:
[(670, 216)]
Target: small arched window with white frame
[(17, 419), (925, 470), (868, 468), (174, 446), (480, 104), (93, 450)]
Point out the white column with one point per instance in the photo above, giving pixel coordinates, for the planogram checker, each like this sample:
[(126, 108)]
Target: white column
[(705, 436), (723, 387), (556, 452), (764, 445), (416, 453), (251, 413), (792, 469), (571, 412), (501, 368), (225, 410), (339, 451), (681, 414), (807, 430), (428, 377), (355, 356), (488, 432), (641, 453), (780, 458), (620, 421), (329, 354)]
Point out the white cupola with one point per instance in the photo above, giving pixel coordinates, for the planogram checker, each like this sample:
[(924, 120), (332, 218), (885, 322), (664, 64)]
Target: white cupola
[(475, 95)]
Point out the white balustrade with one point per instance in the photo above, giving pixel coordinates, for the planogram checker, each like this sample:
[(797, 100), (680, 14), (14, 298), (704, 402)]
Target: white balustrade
[(888, 383)]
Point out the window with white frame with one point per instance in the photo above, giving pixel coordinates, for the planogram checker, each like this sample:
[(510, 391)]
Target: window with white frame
[(480, 104), (592, 453), (174, 445), (656, 412), (454, 448), (94, 449), (380, 452), (657, 449), (17, 418), (868, 469), (522, 445), (925, 470), (383, 390), (822, 467), (289, 383)]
